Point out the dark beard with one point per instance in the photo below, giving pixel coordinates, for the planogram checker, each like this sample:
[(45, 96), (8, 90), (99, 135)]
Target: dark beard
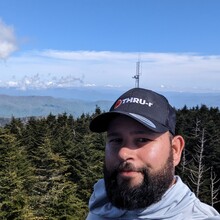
[(146, 193)]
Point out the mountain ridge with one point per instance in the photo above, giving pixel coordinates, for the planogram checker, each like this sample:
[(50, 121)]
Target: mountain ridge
[(78, 101)]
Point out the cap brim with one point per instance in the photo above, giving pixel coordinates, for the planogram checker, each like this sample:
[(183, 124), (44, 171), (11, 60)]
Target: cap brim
[(101, 122)]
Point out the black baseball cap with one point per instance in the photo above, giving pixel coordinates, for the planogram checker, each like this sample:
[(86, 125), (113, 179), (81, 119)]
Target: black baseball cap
[(145, 106)]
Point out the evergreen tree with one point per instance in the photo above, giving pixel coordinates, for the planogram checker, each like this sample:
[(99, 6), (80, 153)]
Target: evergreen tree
[(15, 177), (191, 123), (48, 166)]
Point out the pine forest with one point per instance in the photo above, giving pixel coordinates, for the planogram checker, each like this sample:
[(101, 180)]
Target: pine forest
[(48, 165)]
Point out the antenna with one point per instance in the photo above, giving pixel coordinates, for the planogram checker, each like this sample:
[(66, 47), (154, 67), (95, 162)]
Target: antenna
[(137, 76)]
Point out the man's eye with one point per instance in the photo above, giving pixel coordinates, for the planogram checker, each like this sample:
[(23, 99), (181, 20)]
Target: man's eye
[(115, 140), (142, 140)]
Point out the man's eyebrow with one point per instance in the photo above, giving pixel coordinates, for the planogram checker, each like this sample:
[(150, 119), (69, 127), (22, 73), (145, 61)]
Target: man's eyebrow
[(112, 134), (133, 132), (141, 132)]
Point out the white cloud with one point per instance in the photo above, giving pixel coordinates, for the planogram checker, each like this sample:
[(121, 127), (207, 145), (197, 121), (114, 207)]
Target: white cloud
[(163, 71), (89, 55), (8, 42), (12, 84)]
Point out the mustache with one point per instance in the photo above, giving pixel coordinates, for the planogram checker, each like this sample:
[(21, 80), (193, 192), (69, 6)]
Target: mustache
[(126, 166)]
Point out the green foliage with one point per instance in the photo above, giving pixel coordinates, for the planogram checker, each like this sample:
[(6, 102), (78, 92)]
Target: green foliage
[(48, 166), (15, 174), (200, 127)]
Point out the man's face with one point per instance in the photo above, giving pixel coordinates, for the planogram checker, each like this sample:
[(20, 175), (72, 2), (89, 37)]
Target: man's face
[(138, 164)]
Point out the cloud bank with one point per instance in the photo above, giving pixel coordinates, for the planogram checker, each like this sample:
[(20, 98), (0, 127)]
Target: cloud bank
[(165, 71), (38, 82), (8, 43)]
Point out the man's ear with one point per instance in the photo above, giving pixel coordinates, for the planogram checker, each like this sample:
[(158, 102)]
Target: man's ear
[(178, 144)]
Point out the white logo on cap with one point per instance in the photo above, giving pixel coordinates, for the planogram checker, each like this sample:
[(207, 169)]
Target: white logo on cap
[(132, 100)]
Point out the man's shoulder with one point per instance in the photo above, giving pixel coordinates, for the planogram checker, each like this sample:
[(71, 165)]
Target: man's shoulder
[(207, 210), (213, 218)]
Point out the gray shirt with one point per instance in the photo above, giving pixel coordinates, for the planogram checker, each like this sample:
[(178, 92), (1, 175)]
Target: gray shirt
[(178, 203)]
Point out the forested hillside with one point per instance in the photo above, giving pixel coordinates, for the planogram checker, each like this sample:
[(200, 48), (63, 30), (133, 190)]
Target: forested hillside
[(49, 165)]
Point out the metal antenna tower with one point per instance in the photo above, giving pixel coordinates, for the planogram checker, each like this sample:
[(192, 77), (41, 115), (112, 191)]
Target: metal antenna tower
[(137, 76)]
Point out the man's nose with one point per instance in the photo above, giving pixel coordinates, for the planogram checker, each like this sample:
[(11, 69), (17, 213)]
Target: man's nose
[(126, 152)]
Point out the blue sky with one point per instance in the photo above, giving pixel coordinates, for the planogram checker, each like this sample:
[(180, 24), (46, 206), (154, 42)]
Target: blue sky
[(72, 43)]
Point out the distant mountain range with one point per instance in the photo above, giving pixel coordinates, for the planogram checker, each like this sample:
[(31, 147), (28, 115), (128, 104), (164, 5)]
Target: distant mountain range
[(25, 106), (76, 101)]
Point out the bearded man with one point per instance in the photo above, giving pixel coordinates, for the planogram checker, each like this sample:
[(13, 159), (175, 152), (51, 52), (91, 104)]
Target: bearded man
[(142, 151)]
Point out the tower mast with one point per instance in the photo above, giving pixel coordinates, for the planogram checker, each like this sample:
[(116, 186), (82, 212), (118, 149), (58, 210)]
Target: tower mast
[(137, 76)]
